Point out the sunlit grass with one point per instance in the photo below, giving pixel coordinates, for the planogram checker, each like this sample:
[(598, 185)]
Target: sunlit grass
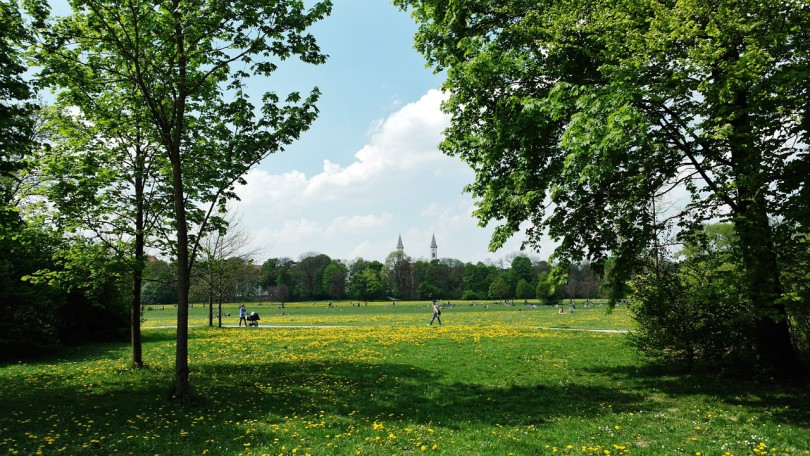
[(378, 381), (410, 313)]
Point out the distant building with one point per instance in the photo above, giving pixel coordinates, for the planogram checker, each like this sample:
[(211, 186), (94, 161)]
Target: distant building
[(434, 248)]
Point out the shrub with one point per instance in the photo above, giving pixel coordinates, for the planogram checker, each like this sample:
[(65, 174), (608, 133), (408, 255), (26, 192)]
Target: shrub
[(692, 312)]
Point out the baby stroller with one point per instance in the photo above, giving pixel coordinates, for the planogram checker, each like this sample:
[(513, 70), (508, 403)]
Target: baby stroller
[(253, 319)]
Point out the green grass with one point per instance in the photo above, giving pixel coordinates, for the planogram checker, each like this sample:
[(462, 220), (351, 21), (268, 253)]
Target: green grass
[(377, 380), (402, 314)]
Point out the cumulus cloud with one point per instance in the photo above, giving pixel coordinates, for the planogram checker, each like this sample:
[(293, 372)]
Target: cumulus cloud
[(405, 141), (398, 183)]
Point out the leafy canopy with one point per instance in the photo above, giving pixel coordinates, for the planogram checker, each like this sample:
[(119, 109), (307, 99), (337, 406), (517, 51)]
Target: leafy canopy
[(576, 115)]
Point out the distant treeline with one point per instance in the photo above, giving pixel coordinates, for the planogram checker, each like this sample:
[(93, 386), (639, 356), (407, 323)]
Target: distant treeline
[(319, 277)]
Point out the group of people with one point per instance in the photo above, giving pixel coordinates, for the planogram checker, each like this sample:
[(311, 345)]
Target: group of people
[(571, 309)]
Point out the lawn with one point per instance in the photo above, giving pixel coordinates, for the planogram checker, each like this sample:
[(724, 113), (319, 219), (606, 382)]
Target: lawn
[(377, 380)]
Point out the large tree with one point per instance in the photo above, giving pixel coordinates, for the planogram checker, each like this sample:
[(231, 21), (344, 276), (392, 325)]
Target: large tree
[(102, 176), (310, 269), (188, 63), (576, 115)]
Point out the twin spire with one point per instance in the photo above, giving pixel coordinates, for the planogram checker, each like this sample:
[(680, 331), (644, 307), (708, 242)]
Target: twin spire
[(434, 248)]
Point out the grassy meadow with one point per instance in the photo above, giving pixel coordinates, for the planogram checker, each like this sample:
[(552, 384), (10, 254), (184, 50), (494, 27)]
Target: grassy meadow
[(377, 380)]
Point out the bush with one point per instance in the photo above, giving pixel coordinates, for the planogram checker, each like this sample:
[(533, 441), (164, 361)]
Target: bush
[(692, 312), (27, 327), (49, 297), (795, 266)]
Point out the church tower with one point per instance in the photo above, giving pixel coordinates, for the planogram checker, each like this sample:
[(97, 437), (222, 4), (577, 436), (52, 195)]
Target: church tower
[(400, 247), (434, 255)]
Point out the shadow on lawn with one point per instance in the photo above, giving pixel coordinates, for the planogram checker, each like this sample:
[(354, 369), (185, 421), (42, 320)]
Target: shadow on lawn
[(787, 404), (403, 392), (348, 394)]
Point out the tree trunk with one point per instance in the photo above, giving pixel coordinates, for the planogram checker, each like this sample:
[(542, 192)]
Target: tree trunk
[(181, 385), (220, 313), (774, 345), (137, 273), (135, 307), (210, 309), (183, 283), (752, 225)]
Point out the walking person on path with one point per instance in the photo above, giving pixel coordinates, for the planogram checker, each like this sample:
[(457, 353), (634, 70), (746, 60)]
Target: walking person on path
[(436, 314), (242, 315)]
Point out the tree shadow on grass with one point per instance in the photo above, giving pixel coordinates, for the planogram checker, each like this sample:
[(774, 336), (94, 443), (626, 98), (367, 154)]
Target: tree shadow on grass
[(348, 394), (376, 391), (786, 404)]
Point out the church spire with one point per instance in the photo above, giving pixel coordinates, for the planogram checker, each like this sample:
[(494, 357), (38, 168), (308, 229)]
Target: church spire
[(434, 249), (400, 247)]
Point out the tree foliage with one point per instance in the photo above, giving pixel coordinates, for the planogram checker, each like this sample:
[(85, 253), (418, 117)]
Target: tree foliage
[(696, 310), (577, 115), (185, 65)]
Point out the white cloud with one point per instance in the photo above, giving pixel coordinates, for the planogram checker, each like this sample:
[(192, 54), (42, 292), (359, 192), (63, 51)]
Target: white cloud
[(398, 184), (405, 141)]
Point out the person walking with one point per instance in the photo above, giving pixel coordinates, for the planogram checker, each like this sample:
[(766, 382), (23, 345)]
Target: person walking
[(436, 314), (243, 315)]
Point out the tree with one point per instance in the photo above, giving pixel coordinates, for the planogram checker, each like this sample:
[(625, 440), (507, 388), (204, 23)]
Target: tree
[(439, 278), (334, 280), (477, 279), (23, 250), (522, 269), (223, 256), (524, 290), (17, 106), (695, 310), (159, 282), (102, 177), (577, 115), (399, 270), (365, 281), (187, 63), (286, 280), (500, 288), (367, 285), (310, 269), (17, 116)]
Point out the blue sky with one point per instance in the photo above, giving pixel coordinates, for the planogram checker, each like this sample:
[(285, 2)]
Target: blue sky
[(369, 170)]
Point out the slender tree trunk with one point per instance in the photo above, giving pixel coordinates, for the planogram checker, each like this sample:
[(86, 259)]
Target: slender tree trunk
[(183, 283), (137, 273), (135, 308), (182, 390), (210, 309)]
